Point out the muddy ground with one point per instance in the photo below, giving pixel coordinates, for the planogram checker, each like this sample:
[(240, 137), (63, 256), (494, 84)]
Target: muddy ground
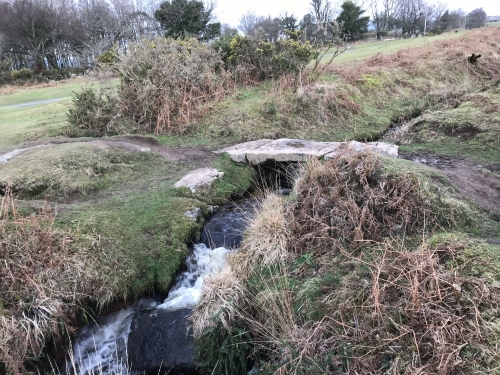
[(478, 182)]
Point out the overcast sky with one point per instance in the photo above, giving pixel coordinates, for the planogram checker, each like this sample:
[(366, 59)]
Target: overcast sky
[(230, 11)]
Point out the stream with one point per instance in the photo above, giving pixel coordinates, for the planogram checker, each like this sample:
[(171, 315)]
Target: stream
[(113, 344)]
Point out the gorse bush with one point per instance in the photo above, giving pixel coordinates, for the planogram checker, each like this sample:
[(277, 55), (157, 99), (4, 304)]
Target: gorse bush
[(94, 113), (166, 83), (264, 60)]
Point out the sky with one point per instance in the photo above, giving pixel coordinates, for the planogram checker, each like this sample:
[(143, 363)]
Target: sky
[(230, 11)]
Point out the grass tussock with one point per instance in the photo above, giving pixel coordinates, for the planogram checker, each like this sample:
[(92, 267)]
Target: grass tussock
[(222, 294), (45, 278), (400, 310), (266, 238), (72, 169)]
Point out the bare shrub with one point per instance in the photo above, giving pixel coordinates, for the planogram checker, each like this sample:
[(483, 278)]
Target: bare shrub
[(168, 83), (44, 278), (349, 199)]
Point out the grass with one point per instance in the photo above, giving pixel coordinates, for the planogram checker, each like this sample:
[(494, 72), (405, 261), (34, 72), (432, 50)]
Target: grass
[(363, 51), (22, 94), (468, 129), (80, 168), (357, 99), (120, 207), (340, 299), (18, 124)]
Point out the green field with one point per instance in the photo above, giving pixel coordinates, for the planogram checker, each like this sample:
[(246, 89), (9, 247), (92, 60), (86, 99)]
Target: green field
[(43, 120), (365, 50)]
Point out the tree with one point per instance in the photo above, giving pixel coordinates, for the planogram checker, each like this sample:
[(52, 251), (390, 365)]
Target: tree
[(354, 24), (457, 18), (323, 12), (33, 28), (476, 18), (289, 22), (182, 18)]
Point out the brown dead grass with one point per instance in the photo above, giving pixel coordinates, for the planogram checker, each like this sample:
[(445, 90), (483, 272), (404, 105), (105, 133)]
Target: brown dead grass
[(266, 238), (446, 55), (416, 313), (348, 199), (222, 295), (44, 278)]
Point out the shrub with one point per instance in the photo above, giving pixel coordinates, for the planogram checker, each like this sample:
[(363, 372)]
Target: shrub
[(264, 60), (23, 74), (108, 57), (95, 113), (167, 83)]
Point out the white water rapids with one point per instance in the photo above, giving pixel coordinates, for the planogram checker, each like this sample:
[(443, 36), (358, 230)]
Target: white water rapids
[(101, 348)]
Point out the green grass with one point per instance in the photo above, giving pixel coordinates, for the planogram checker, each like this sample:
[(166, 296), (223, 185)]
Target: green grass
[(29, 123), (122, 206), (20, 124), (143, 236), (35, 93), (56, 171), (471, 130)]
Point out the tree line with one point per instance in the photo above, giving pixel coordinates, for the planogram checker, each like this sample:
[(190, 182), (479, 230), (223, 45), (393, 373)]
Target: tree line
[(45, 34)]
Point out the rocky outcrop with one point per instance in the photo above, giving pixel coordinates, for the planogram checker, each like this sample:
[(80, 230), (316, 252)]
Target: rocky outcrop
[(200, 181), (161, 340), (295, 150)]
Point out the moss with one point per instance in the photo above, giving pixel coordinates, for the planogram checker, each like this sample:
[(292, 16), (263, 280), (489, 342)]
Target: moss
[(470, 130), (475, 257), (237, 180), (143, 235)]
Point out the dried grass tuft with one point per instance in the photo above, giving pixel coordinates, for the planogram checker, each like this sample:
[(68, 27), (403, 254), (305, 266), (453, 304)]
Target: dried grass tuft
[(43, 279), (222, 295), (266, 238), (349, 199)]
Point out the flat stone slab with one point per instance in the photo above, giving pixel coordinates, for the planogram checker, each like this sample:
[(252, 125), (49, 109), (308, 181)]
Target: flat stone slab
[(290, 150), (382, 148), (295, 150), (200, 181), (238, 153)]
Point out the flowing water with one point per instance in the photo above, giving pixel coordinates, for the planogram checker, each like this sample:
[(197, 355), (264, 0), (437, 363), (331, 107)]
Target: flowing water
[(101, 348)]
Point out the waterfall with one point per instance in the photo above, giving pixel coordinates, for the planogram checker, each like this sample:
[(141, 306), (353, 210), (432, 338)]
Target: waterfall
[(101, 348)]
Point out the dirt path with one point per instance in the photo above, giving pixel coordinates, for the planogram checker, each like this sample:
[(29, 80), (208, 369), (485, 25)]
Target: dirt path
[(36, 102), (200, 155), (479, 183)]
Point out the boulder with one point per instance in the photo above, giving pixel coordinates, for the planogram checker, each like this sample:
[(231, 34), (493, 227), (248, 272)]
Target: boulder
[(161, 340), (200, 181), (194, 214)]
